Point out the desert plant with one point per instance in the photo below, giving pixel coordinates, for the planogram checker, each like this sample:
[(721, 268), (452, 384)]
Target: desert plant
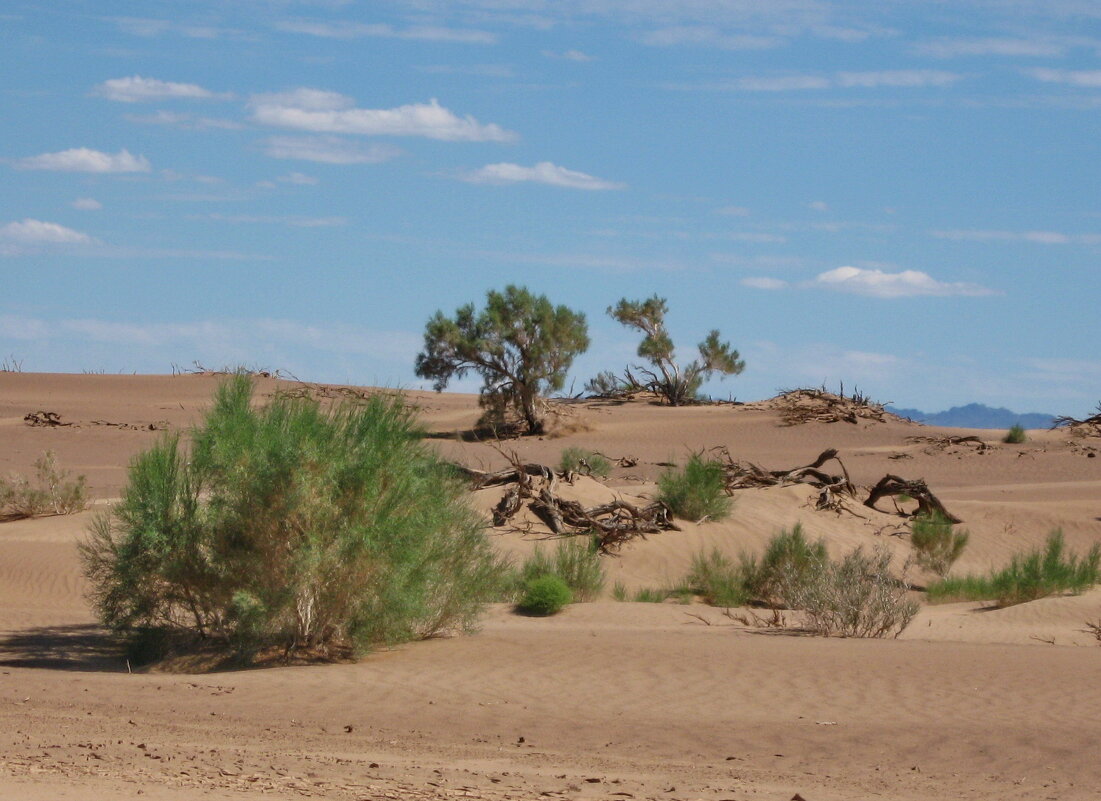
[(650, 595), (292, 527), (619, 591), (696, 491), (854, 597), (576, 561), (1016, 435), (545, 595), (936, 546), (520, 345), (1028, 576), (716, 579), (675, 384), (579, 460), (788, 557), (51, 492)]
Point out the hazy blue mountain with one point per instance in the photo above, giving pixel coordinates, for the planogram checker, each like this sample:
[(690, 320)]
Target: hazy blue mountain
[(976, 415)]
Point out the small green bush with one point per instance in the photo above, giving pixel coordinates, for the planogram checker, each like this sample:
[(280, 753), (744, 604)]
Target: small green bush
[(1016, 435), (50, 493), (788, 557), (854, 597), (576, 561), (716, 579), (545, 595), (1029, 576), (936, 546), (579, 460), (291, 528), (619, 591), (650, 595), (696, 491)]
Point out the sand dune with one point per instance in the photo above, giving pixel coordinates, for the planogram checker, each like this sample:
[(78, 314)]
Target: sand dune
[(607, 700)]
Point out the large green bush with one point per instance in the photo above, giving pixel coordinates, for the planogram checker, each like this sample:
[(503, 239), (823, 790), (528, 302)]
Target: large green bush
[(545, 595), (696, 491), (291, 526), (576, 561)]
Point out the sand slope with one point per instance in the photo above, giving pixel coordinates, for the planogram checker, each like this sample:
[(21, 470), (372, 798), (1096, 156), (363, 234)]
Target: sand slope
[(608, 700)]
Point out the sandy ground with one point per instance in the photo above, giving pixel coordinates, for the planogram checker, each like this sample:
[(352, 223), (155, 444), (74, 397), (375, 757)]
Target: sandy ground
[(605, 701)]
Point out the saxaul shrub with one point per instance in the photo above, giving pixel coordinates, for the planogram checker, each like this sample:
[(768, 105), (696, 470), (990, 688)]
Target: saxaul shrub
[(936, 545), (716, 579), (788, 557), (293, 527), (1016, 435), (696, 491), (50, 492), (576, 561)]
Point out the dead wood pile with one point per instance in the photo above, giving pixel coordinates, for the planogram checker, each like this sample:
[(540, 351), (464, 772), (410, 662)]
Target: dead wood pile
[(48, 419), (798, 406), (612, 524), (928, 503), (951, 444), (1086, 427)]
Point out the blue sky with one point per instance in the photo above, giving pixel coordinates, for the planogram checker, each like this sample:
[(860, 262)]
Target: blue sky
[(899, 195)]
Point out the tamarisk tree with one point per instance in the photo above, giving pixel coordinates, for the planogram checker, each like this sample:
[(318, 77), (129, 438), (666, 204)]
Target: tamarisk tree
[(669, 380), (520, 344)]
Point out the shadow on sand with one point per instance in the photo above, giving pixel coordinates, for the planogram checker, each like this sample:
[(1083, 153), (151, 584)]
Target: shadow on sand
[(76, 647)]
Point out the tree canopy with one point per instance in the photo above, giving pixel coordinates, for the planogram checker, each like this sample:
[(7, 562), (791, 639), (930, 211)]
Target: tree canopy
[(520, 344), (676, 384)]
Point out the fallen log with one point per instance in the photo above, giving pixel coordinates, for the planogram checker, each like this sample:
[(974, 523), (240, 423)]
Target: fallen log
[(928, 503)]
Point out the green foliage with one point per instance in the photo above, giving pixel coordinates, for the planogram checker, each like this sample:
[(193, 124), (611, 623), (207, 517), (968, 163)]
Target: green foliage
[(854, 597), (650, 595), (1016, 435), (520, 345), (545, 595), (788, 557), (50, 493), (696, 491), (675, 384), (936, 546), (715, 578), (1028, 576), (579, 460), (576, 561), (619, 591), (292, 527)]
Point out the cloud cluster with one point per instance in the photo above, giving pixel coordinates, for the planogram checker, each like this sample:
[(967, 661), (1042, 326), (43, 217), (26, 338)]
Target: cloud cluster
[(37, 232), (1034, 237), (544, 172), (83, 159), (874, 283), (802, 82), (327, 150), (321, 111), (356, 30), (136, 89)]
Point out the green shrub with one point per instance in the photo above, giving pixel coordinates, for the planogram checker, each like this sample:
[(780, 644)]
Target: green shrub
[(1029, 576), (1016, 435), (619, 591), (51, 492), (788, 557), (696, 491), (936, 546), (716, 579), (854, 597), (576, 561), (579, 460), (545, 595), (650, 595), (292, 527)]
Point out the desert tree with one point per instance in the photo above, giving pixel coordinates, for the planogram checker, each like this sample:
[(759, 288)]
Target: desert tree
[(520, 344), (671, 381)]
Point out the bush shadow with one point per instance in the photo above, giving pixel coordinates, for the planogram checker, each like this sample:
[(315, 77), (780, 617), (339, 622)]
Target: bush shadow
[(86, 647)]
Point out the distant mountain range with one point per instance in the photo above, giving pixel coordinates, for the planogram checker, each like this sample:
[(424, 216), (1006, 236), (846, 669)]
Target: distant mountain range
[(976, 415)]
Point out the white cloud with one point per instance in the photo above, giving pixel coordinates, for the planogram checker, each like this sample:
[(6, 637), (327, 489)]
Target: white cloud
[(330, 112), (356, 30), (764, 283), (86, 204), (880, 284), (1035, 237), (568, 55), (733, 211), (328, 150), (542, 173), (990, 46), (189, 122), (708, 36), (1086, 79), (899, 78), (37, 232), (818, 205), (82, 159), (296, 222), (298, 179), (803, 82), (135, 89)]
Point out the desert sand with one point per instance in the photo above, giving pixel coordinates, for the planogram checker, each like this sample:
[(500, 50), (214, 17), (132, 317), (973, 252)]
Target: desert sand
[(607, 700)]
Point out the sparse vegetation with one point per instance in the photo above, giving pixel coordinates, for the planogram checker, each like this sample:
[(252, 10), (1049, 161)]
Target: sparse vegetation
[(936, 545), (588, 463), (619, 591), (1029, 576), (716, 579), (575, 560), (51, 492), (1016, 435), (788, 558), (696, 491), (291, 529), (671, 382), (854, 597), (520, 344), (545, 595), (651, 595)]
